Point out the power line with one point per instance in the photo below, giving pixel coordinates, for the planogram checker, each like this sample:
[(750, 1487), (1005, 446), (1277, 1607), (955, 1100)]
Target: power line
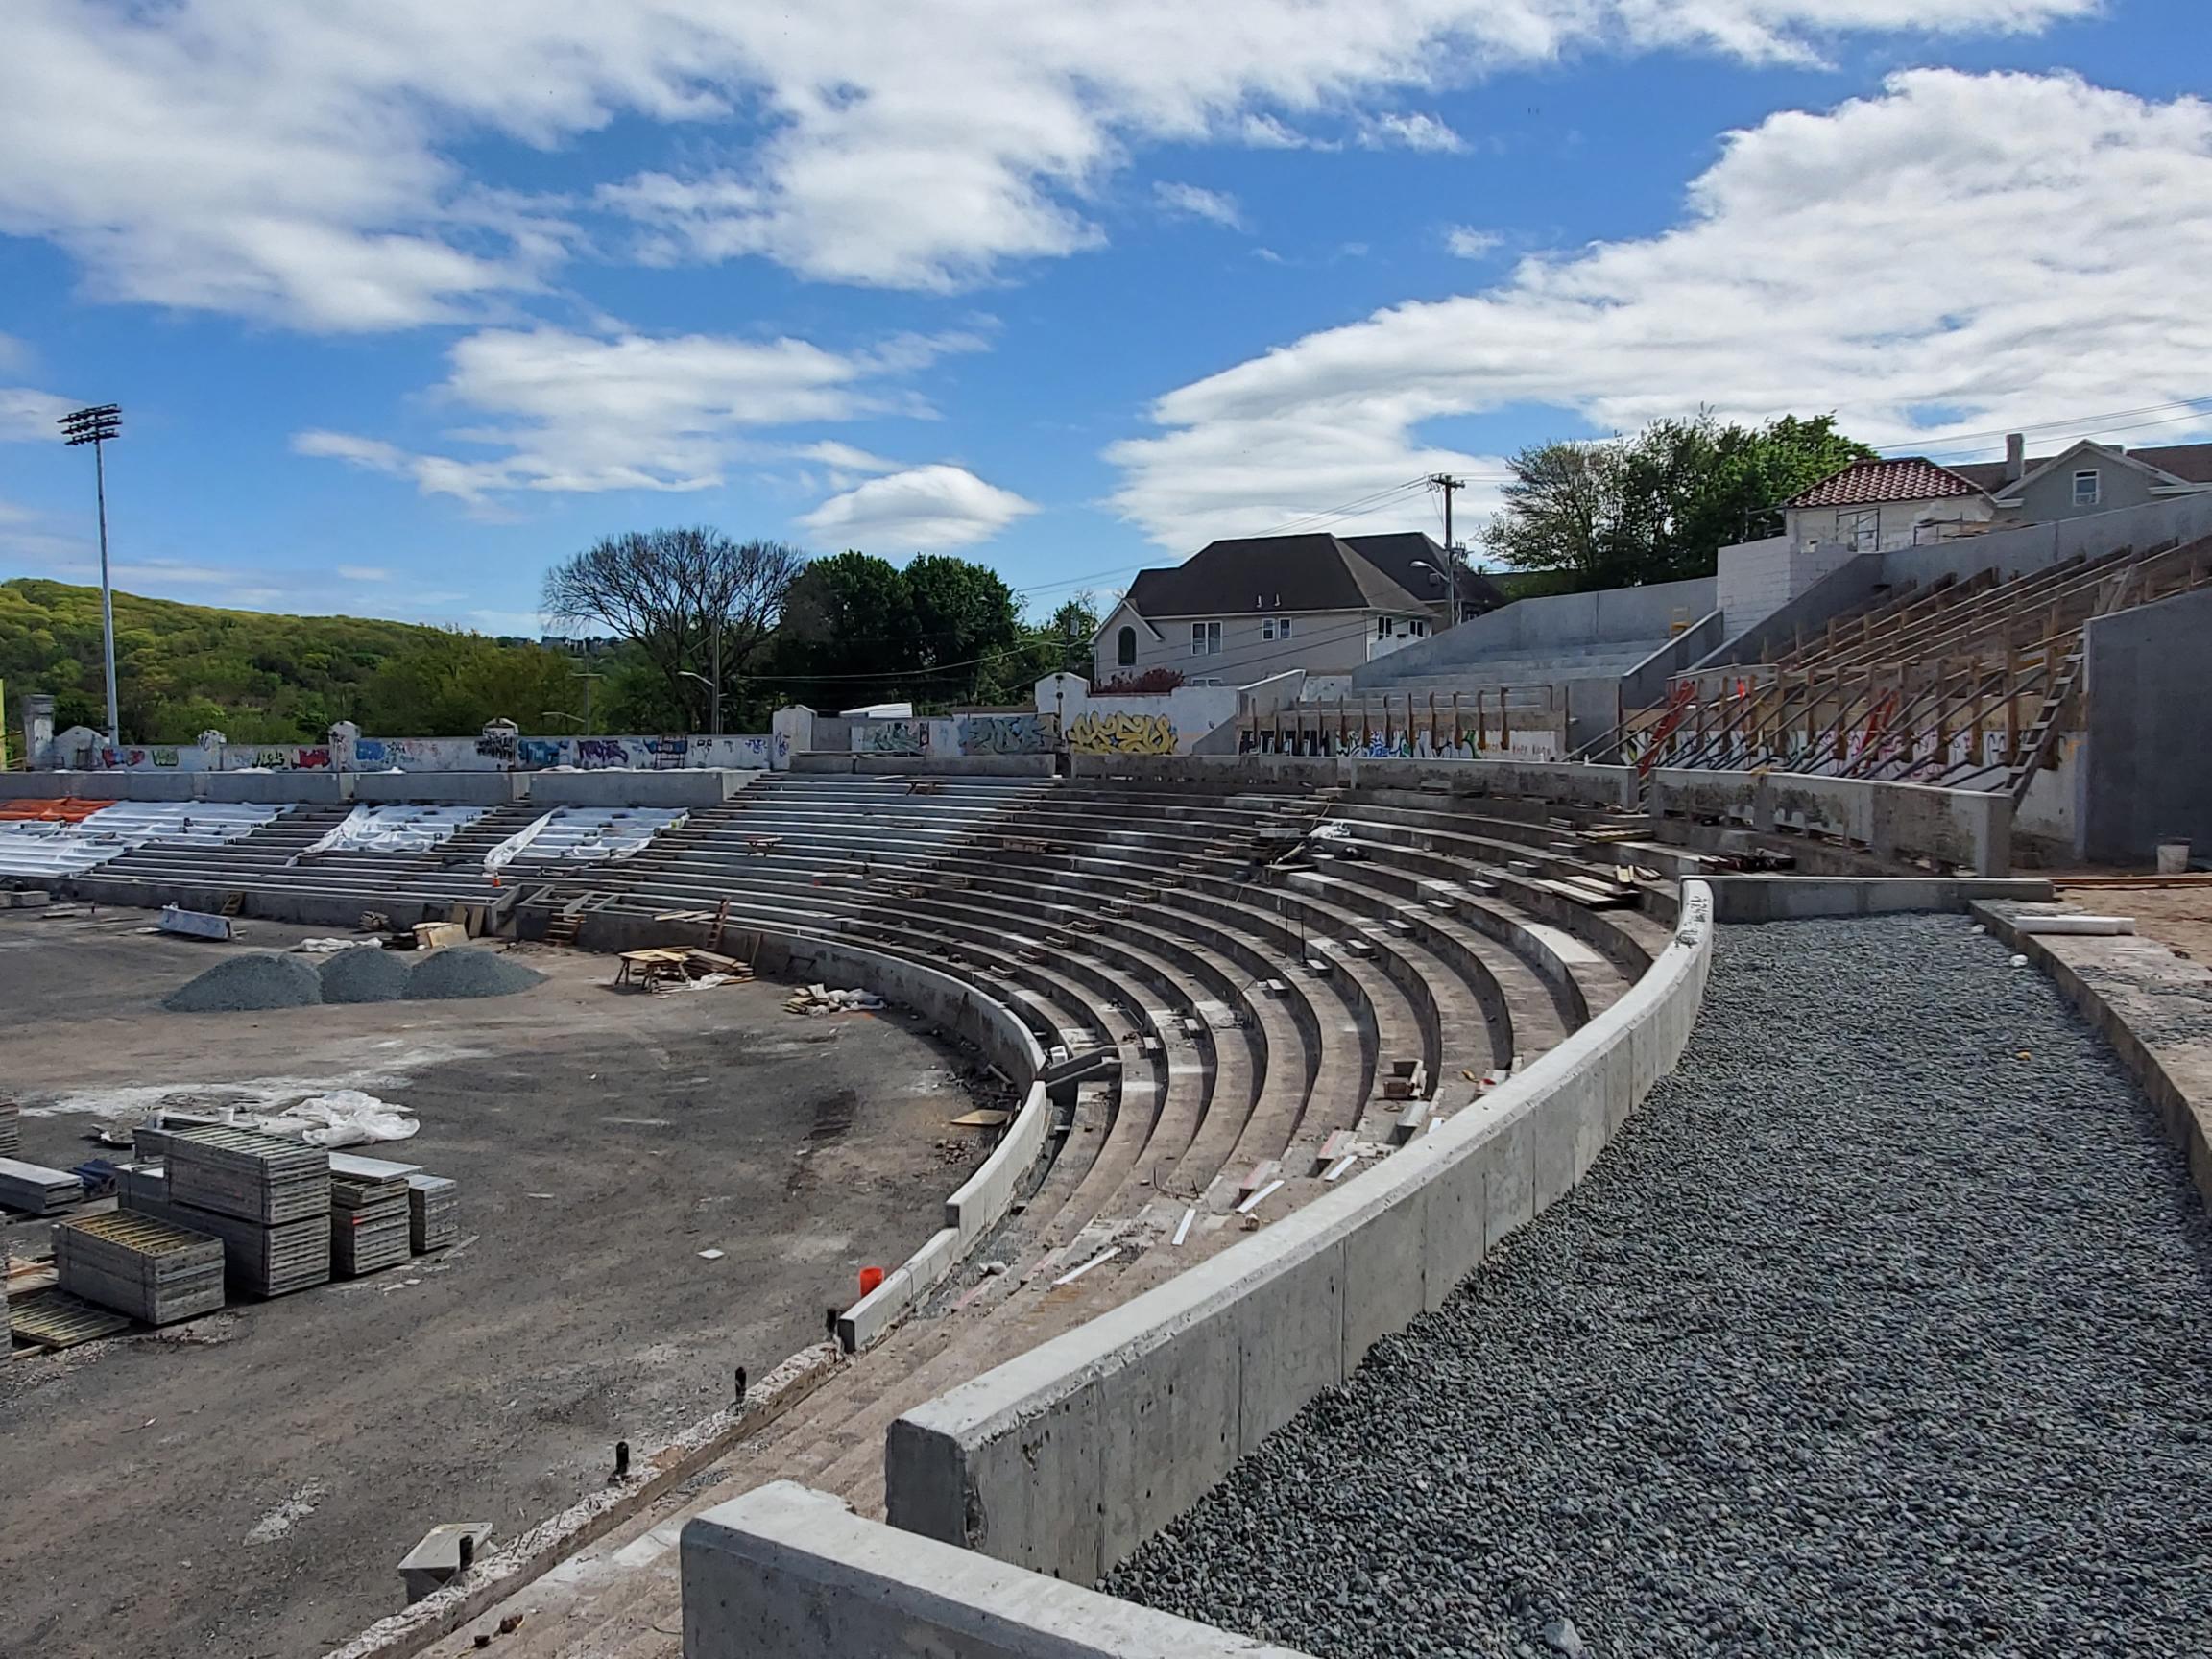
[(1959, 443)]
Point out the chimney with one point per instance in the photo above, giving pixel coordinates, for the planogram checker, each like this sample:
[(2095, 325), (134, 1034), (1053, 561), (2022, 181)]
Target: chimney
[(2015, 457)]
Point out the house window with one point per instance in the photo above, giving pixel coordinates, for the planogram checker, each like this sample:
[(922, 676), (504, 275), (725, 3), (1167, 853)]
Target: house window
[(1125, 648), (1275, 628), (1205, 639), (2086, 491), (1382, 627), (1417, 628), (1859, 531)]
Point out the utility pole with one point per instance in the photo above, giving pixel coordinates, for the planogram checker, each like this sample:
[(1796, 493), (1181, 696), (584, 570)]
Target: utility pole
[(1451, 548), (586, 676), (95, 426), (715, 725)]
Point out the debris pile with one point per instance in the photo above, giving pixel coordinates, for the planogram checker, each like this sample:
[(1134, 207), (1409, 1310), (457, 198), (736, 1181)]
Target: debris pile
[(680, 967), (816, 1001)]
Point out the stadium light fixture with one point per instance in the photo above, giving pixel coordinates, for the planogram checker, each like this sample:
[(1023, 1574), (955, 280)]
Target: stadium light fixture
[(95, 426)]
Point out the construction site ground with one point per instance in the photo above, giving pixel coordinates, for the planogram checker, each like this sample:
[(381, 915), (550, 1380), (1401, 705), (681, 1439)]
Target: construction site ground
[(2178, 916), (247, 1483)]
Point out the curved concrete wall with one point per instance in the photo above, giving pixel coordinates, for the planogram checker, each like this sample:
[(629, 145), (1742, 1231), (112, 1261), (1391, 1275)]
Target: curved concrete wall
[(1068, 1458)]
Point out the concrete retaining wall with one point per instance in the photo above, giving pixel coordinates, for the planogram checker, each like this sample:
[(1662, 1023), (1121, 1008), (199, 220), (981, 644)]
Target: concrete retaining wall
[(1966, 828), (687, 788), (2148, 779), (1067, 1458), (1607, 786), (442, 788), (786, 1570), (1793, 898)]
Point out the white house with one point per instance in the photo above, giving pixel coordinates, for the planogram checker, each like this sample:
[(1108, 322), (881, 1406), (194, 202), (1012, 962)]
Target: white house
[(1243, 609)]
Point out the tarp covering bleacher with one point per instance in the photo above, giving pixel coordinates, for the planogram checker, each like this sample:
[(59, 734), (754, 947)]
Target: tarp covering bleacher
[(61, 847), (584, 833), (396, 828)]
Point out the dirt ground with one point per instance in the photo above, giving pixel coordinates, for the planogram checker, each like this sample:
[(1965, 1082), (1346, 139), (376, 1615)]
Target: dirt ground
[(246, 1483), (2179, 918)]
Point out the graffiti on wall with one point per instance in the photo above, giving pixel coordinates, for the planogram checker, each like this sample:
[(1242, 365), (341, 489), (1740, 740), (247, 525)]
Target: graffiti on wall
[(1006, 734), (891, 737), (1094, 734)]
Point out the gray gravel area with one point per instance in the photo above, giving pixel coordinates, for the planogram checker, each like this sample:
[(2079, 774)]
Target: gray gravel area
[(1885, 1328), (257, 980), (366, 973)]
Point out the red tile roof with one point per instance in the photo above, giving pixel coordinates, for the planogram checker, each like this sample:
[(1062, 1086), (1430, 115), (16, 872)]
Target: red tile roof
[(1908, 478)]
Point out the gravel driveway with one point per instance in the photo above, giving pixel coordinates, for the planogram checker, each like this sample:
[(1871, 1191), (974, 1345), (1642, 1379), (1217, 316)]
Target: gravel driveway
[(1885, 1328)]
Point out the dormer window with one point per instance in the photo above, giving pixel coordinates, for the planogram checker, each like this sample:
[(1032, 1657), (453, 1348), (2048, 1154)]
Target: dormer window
[(2086, 492)]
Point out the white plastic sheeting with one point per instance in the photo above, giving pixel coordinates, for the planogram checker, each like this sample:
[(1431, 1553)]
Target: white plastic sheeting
[(396, 828), (35, 848), (584, 833)]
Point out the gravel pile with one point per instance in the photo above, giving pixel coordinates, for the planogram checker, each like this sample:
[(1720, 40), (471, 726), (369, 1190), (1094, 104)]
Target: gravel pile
[(366, 973), (458, 971), (1885, 1328), (262, 980)]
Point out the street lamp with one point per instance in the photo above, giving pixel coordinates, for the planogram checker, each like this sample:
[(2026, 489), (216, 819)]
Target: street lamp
[(1451, 587), (95, 426), (713, 685)]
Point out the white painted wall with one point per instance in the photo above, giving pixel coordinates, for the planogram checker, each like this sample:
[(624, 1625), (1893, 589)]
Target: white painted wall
[(1757, 578), (1897, 523)]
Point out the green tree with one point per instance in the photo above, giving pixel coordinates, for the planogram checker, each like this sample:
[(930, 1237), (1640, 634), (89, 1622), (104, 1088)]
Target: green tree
[(967, 630), (847, 637), (453, 684), (1658, 506)]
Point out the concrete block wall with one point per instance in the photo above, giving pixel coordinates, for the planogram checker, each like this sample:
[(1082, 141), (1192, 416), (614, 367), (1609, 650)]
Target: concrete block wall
[(1065, 1459), (1555, 623)]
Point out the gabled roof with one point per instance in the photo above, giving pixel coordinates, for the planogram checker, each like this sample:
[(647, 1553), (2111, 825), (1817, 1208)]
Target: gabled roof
[(1863, 482), (2185, 463), (2191, 463), (1252, 574), (1395, 554)]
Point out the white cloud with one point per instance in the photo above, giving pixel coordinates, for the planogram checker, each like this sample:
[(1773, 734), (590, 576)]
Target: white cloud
[(922, 508), (364, 573), (305, 164), (28, 417), (1196, 202), (1414, 131), (2012, 249), (577, 412), (1262, 132), (1465, 242)]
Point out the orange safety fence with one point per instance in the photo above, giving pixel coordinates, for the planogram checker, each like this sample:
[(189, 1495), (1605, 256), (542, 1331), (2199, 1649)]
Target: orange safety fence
[(68, 811)]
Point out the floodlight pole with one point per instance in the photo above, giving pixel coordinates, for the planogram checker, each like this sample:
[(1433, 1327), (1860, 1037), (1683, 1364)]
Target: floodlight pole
[(95, 426)]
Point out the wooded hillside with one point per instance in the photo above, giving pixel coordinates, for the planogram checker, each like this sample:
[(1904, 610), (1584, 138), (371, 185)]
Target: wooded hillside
[(260, 677)]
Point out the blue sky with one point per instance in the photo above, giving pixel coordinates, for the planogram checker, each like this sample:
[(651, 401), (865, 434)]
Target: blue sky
[(404, 302)]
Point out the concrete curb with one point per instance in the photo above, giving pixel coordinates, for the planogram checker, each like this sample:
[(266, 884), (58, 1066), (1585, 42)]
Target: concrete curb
[(1068, 1458), (2181, 1090), (507, 1570)]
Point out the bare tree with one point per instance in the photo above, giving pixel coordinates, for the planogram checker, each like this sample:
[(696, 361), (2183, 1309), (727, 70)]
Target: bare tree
[(687, 597)]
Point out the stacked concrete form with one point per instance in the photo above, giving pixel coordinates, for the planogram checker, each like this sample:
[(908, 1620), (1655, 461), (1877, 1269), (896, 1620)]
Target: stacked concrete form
[(266, 1199), (433, 1214), (368, 1222), (150, 1270), (9, 1137), (35, 1190)]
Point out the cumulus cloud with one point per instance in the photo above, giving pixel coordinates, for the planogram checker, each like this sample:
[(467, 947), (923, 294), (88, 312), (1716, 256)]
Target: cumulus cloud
[(578, 413), (1196, 202), (28, 415), (1997, 250), (1465, 242), (306, 166), (922, 509)]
